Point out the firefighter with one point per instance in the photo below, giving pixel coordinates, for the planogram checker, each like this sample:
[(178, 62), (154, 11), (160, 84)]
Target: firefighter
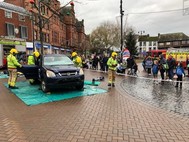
[(34, 59), (12, 64), (76, 59), (112, 64)]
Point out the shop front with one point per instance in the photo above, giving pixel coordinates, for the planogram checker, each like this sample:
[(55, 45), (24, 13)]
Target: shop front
[(47, 48), (7, 43), (56, 50)]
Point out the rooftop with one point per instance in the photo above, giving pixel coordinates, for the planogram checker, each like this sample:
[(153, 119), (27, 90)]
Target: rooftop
[(172, 37), (12, 7)]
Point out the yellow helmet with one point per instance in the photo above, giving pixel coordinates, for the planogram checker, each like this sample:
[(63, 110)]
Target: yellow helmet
[(13, 50), (78, 60), (36, 54), (114, 54), (74, 54)]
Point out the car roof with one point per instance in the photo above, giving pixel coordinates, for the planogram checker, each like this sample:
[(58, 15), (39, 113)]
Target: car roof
[(55, 55)]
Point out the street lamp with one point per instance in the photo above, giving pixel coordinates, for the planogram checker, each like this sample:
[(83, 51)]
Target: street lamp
[(32, 1)]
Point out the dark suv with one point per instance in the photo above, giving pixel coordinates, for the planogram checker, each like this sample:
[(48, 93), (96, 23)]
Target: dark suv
[(55, 71)]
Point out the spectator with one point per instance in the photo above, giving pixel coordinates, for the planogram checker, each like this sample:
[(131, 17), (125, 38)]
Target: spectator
[(162, 61), (180, 73), (148, 64), (171, 63), (155, 70), (187, 64)]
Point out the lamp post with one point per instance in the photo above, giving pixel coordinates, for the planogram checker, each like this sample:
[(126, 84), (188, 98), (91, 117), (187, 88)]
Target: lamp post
[(31, 10), (121, 12), (40, 22)]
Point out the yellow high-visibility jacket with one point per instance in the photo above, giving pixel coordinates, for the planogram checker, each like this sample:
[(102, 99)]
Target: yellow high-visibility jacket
[(112, 63), (12, 62), (77, 61), (31, 60)]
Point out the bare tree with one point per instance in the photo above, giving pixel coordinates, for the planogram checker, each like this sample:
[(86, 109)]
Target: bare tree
[(105, 36)]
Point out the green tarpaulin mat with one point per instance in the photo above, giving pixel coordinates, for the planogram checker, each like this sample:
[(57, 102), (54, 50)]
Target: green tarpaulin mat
[(3, 75), (31, 95), (87, 82)]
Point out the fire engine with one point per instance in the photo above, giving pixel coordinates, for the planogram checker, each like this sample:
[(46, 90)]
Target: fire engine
[(179, 54), (156, 53), (4, 51)]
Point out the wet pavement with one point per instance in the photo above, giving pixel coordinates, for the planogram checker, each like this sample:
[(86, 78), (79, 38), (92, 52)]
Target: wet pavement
[(164, 96), (130, 112)]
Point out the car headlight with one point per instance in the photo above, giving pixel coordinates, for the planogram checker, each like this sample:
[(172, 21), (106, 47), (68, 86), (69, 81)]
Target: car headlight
[(50, 74), (81, 71)]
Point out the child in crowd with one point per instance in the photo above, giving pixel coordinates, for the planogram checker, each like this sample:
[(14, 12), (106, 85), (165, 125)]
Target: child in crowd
[(180, 73), (155, 69)]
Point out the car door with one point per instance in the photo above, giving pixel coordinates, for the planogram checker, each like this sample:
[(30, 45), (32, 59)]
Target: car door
[(29, 71)]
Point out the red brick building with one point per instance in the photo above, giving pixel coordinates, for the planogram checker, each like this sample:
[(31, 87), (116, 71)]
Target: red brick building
[(15, 25), (61, 29)]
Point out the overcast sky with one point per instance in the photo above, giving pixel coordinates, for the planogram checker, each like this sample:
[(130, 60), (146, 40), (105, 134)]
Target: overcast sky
[(95, 12)]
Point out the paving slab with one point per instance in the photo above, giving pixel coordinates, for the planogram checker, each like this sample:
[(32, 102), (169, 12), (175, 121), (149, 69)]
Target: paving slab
[(114, 116)]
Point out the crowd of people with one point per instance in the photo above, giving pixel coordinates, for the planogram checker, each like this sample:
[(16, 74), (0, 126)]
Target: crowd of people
[(167, 67), (111, 64)]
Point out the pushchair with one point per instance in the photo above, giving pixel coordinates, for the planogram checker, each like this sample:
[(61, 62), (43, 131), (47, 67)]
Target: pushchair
[(120, 69), (133, 70)]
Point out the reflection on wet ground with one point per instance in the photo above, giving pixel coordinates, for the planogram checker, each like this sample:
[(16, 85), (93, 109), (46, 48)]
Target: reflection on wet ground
[(165, 95)]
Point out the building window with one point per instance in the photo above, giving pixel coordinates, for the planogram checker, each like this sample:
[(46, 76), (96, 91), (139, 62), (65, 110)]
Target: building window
[(21, 18), (154, 48), (140, 43), (35, 35), (8, 14), (161, 44), (168, 43), (23, 32), (44, 37), (154, 43), (140, 50), (175, 43), (150, 43), (10, 29), (47, 11), (43, 10), (184, 42), (47, 37), (55, 37), (144, 43)]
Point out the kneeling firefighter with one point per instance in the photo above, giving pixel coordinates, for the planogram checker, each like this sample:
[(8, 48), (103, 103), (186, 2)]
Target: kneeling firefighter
[(12, 64), (76, 59), (33, 60)]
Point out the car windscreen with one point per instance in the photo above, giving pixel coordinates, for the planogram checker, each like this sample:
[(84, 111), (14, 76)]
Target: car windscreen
[(57, 60)]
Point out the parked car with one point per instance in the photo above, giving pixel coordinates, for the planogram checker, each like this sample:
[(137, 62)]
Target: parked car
[(55, 71)]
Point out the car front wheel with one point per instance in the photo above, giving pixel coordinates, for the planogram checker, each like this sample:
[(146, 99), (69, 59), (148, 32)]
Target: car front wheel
[(80, 87), (43, 86)]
